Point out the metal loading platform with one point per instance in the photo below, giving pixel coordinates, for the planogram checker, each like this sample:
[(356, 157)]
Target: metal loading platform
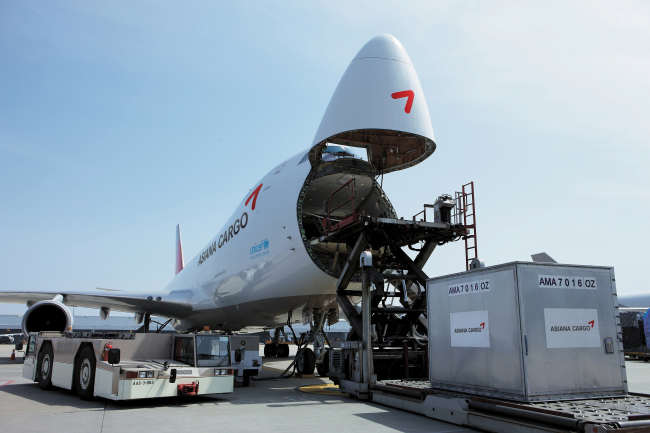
[(622, 414), (386, 356), (394, 352), (388, 336)]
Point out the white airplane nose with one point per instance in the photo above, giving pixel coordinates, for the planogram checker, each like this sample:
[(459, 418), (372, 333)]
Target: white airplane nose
[(384, 47), (379, 105)]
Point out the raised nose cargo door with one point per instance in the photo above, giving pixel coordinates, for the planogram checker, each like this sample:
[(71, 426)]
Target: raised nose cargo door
[(379, 105)]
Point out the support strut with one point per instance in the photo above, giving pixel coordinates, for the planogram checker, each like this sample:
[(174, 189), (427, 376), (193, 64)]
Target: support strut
[(346, 275)]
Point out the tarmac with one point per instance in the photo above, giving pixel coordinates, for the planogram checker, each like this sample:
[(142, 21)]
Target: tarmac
[(289, 405)]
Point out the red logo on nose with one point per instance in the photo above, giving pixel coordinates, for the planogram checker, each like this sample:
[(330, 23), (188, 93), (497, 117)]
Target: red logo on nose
[(405, 94), (254, 196)]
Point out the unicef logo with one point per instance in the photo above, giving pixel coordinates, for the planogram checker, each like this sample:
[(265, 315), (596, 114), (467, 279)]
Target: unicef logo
[(260, 248)]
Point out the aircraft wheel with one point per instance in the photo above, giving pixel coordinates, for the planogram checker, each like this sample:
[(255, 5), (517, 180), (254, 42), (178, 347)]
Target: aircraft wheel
[(45, 364), (324, 368), (306, 361), (270, 350), (85, 374), (246, 379), (283, 350)]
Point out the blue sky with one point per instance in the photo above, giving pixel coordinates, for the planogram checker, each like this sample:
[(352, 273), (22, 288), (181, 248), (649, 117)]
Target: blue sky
[(119, 120)]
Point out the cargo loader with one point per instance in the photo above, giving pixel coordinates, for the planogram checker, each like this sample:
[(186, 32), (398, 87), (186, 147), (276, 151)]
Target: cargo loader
[(518, 347)]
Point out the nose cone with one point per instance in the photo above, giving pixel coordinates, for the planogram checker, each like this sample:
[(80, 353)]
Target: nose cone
[(384, 47), (379, 105)]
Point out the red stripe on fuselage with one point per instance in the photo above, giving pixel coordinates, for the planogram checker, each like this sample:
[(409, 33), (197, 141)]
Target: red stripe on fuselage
[(254, 196)]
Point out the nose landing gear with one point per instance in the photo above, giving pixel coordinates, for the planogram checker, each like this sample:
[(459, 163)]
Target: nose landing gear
[(307, 359)]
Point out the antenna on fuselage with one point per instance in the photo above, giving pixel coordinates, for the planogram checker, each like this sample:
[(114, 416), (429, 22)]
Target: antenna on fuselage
[(180, 263)]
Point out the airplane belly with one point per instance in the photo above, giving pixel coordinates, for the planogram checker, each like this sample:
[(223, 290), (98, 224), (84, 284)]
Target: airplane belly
[(262, 313), (270, 292)]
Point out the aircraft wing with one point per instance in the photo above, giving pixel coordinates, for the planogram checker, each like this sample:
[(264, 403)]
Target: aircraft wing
[(175, 304), (634, 300), (11, 338)]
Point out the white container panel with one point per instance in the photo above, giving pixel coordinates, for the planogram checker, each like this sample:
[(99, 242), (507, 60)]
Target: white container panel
[(484, 353)]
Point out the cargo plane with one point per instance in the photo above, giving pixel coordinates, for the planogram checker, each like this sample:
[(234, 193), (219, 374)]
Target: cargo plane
[(266, 268)]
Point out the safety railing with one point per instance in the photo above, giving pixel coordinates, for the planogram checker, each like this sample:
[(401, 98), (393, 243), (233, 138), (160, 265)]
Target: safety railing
[(348, 186)]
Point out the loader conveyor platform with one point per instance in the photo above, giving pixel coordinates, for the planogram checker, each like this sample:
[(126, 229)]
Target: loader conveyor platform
[(629, 413), (399, 232)]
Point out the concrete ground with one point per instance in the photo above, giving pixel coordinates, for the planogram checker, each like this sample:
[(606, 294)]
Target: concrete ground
[(638, 376), (266, 405)]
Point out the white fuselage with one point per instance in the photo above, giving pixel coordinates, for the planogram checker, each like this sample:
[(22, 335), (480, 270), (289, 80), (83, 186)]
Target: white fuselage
[(255, 271)]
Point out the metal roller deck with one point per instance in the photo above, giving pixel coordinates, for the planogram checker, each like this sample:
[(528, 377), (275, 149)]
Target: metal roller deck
[(629, 413)]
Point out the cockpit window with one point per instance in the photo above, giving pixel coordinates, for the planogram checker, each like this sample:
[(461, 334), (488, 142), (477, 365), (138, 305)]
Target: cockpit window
[(337, 150), (332, 152)]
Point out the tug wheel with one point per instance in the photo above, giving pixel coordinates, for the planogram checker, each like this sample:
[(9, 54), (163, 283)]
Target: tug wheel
[(45, 364), (85, 374)]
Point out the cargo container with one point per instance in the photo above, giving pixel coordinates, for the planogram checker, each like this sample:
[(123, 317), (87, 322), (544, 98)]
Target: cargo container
[(527, 332)]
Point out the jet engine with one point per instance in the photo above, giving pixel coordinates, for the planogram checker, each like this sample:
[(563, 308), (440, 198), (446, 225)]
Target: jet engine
[(49, 315)]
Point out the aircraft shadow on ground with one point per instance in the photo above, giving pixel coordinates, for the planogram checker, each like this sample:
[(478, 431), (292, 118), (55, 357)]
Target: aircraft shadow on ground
[(52, 397), (416, 422), (272, 393)]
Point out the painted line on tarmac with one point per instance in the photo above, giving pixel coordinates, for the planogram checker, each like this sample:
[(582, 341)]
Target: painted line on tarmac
[(7, 382), (272, 369), (304, 376), (323, 389)]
